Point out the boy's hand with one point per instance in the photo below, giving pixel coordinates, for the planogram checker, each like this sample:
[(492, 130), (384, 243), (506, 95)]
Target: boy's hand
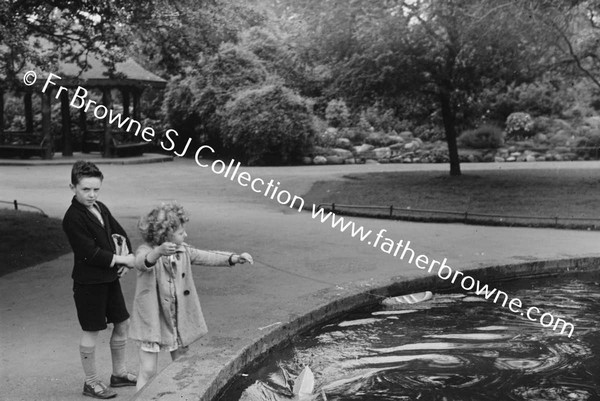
[(244, 257), (122, 270), (167, 248), (129, 261)]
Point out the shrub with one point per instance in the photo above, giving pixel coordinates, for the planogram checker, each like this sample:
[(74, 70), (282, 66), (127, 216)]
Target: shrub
[(519, 125), (484, 137), (381, 120), (429, 132), (268, 126), (192, 102), (327, 137), (379, 139), (337, 114), (354, 134)]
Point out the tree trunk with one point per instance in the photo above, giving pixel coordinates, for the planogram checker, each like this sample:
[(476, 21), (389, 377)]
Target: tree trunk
[(449, 126)]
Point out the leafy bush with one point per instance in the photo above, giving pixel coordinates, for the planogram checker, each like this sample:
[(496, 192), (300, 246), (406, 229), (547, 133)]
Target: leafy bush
[(354, 134), (337, 114), (379, 139), (429, 132), (519, 125), (546, 96), (192, 102), (270, 125), (484, 137), (381, 120)]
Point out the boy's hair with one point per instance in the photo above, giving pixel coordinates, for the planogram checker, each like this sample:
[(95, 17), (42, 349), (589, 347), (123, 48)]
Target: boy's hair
[(163, 220), (82, 169)]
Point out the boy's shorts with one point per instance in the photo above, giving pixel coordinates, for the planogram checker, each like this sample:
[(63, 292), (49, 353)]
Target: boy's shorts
[(99, 304)]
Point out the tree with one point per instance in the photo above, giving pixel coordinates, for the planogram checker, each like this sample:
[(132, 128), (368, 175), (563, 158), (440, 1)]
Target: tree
[(574, 27), (41, 32), (181, 31), (444, 51)]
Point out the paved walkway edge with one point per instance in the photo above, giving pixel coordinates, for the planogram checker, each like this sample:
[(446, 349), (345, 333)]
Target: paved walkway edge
[(189, 378)]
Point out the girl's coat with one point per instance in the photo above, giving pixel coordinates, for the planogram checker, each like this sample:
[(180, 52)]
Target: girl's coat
[(151, 319)]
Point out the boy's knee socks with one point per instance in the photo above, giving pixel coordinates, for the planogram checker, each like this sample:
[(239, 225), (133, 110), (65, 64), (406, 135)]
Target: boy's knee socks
[(117, 350), (88, 361)]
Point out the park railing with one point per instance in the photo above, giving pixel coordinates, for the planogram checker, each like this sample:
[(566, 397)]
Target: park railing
[(17, 204), (467, 217)]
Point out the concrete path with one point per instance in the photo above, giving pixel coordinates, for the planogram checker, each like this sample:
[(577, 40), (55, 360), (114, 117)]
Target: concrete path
[(297, 257)]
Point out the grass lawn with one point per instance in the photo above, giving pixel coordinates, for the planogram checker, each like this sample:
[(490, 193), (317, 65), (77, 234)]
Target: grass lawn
[(567, 193), (28, 239)]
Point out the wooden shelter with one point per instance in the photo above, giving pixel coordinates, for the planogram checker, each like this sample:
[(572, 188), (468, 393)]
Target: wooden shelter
[(128, 77)]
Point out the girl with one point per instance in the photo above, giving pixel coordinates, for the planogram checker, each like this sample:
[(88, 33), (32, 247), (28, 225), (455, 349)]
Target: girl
[(166, 309)]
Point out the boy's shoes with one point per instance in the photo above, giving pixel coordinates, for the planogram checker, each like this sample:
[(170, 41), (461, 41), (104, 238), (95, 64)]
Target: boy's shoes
[(127, 380), (98, 390)]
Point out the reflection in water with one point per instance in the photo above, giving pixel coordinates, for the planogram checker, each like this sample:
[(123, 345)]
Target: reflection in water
[(450, 350)]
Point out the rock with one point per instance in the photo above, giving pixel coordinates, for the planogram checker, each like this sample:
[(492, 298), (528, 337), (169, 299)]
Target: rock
[(511, 159), (344, 143), (306, 160), (396, 159), (363, 148), (499, 159), (350, 160), (558, 158), (407, 160), (488, 158), (540, 159), (515, 154), (395, 138), (562, 149), (334, 160), (383, 153), (343, 153), (406, 135), (540, 137), (371, 161), (396, 148), (320, 160), (512, 149), (593, 121)]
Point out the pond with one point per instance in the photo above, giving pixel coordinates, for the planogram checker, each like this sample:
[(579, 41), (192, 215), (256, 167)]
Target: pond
[(453, 347)]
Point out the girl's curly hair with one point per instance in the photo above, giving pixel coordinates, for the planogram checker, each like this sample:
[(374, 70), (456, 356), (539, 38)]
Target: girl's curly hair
[(163, 220)]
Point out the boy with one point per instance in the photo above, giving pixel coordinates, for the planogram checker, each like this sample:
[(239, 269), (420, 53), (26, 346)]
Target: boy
[(89, 226)]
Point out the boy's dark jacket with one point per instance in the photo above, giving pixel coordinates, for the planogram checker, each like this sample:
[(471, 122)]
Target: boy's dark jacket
[(92, 243)]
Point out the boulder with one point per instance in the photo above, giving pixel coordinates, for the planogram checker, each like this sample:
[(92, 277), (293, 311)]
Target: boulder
[(530, 158), (593, 121), (488, 158), (396, 148), (334, 160), (395, 138), (499, 159), (320, 160), (306, 160), (365, 147), (406, 135), (343, 153), (383, 153), (344, 143), (511, 159), (350, 160)]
